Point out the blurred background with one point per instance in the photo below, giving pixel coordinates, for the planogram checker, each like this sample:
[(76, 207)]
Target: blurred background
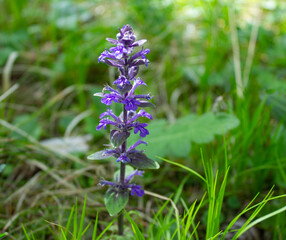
[(218, 71)]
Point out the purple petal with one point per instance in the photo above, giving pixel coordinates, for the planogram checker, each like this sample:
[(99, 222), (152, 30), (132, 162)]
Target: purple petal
[(113, 63), (138, 142), (102, 182), (145, 104), (99, 94), (109, 97), (112, 41), (139, 62), (141, 127), (132, 72), (137, 189), (139, 43), (110, 113), (141, 113), (130, 104), (123, 158), (100, 125), (133, 174)]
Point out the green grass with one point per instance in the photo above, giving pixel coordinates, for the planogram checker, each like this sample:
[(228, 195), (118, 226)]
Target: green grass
[(199, 52)]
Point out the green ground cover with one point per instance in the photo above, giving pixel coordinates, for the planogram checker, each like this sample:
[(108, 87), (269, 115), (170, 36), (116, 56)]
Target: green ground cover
[(218, 77)]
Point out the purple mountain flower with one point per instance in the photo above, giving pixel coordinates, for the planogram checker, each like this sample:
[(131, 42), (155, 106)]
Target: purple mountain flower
[(123, 56)]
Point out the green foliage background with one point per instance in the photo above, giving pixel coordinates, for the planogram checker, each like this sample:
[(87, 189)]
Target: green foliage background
[(194, 78)]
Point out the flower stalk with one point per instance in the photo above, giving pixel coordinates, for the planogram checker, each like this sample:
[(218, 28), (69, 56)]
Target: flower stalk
[(122, 57)]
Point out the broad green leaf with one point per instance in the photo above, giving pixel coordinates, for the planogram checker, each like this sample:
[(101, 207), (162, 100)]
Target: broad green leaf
[(140, 160), (28, 124), (99, 155), (2, 166), (115, 200), (278, 104), (66, 14), (117, 137), (175, 139)]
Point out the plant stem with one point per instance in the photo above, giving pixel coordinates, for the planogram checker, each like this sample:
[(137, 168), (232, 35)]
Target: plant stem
[(120, 225), (122, 177)]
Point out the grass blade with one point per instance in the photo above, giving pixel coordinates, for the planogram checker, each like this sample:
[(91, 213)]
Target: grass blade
[(108, 226), (82, 219), (95, 227), (184, 167), (27, 236), (135, 228)]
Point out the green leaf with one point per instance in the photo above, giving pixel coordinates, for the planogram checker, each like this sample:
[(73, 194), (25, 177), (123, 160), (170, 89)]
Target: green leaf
[(117, 138), (140, 160), (175, 139), (28, 124), (99, 155), (278, 104), (115, 200), (2, 167), (2, 235)]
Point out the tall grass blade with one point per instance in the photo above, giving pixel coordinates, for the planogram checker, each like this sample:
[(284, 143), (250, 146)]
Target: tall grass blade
[(254, 214), (75, 220), (69, 220), (82, 219), (108, 226), (261, 219), (26, 234), (84, 231), (184, 167), (135, 228), (2, 235), (63, 234), (95, 227)]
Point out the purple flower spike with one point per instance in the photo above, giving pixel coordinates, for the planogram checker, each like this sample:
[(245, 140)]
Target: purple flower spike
[(138, 190), (122, 56)]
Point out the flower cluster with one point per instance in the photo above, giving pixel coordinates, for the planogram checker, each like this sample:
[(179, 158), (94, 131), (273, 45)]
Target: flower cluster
[(122, 56)]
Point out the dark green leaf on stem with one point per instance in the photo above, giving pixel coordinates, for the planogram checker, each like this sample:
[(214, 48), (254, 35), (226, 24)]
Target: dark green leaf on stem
[(115, 200), (141, 161), (99, 155), (117, 138)]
